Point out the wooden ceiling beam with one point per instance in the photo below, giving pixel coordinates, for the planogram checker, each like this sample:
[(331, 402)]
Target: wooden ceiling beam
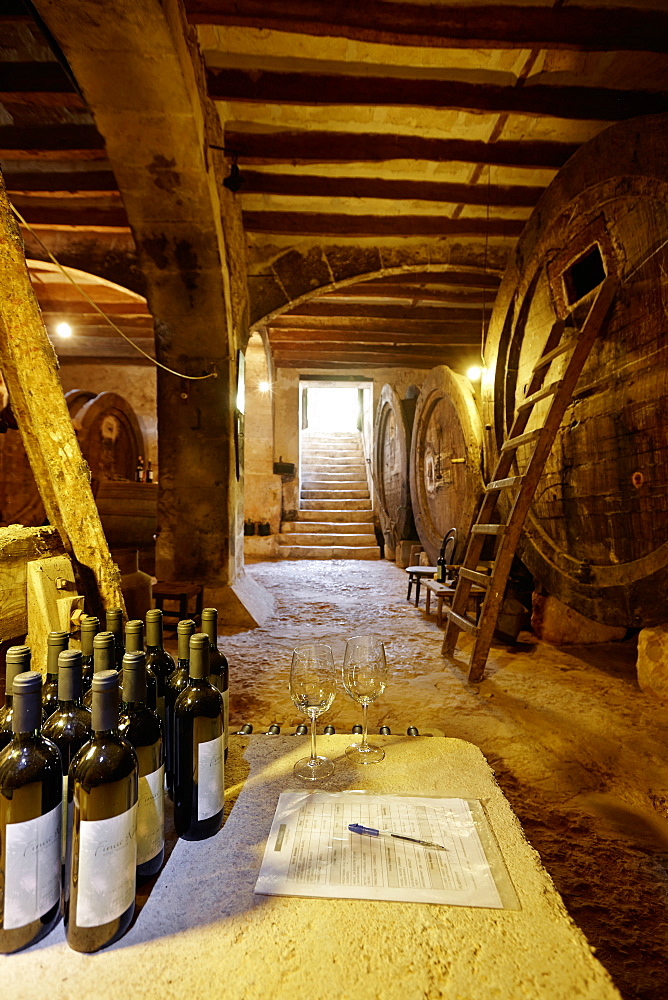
[(288, 145), (308, 185), (387, 359), (407, 292), (309, 89), (597, 29), (308, 327), (320, 309), (78, 216), (334, 224), (83, 308), (291, 340), (461, 277), (49, 138), (70, 181), (32, 77)]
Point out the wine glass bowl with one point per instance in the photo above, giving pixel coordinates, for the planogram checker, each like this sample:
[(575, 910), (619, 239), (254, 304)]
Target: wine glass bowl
[(312, 689), (365, 679)]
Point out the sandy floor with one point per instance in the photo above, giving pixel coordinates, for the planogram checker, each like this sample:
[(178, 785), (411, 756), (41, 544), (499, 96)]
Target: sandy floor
[(578, 749)]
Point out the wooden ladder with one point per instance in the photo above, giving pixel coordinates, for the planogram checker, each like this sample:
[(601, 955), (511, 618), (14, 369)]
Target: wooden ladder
[(508, 534)]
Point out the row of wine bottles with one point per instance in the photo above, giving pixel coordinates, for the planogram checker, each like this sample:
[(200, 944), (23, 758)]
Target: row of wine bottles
[(82, 793)]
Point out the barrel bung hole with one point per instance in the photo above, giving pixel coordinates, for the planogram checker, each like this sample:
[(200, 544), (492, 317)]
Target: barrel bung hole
[(584, 274)]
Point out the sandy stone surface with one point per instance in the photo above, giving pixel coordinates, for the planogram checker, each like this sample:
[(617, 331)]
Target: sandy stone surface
[(577, 747), (653, 661)]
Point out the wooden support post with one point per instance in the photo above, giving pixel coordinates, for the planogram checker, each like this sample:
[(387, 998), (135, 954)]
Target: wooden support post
[(30, 368)]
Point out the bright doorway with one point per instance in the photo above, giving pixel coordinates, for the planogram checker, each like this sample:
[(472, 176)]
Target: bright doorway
[(332, 410)]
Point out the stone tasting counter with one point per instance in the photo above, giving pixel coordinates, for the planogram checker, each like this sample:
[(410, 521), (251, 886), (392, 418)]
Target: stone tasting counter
[(203, 933)]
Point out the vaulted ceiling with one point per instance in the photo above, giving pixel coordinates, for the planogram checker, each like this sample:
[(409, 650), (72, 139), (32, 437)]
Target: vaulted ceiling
[(403, 143)]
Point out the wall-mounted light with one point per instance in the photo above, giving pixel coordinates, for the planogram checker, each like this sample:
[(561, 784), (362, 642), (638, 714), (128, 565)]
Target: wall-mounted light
[(64, 330), (474, 373), (264, 386), (234, 180)]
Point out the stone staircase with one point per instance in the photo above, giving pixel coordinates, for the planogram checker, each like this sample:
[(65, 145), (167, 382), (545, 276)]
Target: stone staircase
[(335, 519)]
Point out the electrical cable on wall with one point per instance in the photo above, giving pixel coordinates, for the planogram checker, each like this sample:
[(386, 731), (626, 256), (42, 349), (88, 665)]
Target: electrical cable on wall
[(84, 293)]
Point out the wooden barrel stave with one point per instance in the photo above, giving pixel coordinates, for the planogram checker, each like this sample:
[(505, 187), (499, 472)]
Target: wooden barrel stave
[(446, 459), (596, 533)]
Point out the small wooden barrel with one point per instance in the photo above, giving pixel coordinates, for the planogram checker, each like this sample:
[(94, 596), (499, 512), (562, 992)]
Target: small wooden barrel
[(596, 535), (391, 451), (446, 459), (108, 433)]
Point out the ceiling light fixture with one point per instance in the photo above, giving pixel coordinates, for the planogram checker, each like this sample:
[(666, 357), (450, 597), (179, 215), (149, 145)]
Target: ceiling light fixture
[(64, 330), (474, 373), (264, 386)]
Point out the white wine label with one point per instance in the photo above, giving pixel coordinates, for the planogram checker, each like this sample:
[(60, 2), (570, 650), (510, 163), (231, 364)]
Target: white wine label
[(107, 872), (63, 852), (226, 715), (151, 815), (32, 868), (210, 777)]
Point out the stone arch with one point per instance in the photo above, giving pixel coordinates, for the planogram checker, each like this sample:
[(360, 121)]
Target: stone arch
[(299, 274)]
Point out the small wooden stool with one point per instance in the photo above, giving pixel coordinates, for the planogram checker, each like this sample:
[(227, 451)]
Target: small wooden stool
[(416, 574), (445, 591), (174, 591)]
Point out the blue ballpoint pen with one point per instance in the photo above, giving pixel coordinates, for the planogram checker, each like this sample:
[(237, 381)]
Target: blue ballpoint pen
[(370, 832)]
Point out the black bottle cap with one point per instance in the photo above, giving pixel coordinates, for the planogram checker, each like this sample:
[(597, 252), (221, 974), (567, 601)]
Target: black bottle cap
[(199, 655), (90, 626), (134, 636), (154, 627), (245, 730), (328, 730), (134, 676), (385, 731), (301, 730), (184, 630), (357, 729), (104, 647), (27, 691), (274, 730), (56, 642), (412, 731), (18, 661), (69, 675), (105, 701)]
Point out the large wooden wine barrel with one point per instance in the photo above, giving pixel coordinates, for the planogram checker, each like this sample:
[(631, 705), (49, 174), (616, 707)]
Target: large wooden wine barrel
[(393, 427), (446, 459), (111, 440), (597, 532)]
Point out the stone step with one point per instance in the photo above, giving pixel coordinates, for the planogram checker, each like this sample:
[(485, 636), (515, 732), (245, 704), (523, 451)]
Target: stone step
[(331, 515), (334, 484), (320, 538), (326, 527), (327, 552), (325, 452), (335, 494), (324, 476), (335, 505), (343, 471)]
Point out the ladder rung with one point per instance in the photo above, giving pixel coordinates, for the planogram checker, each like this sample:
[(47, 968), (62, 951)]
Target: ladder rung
[(545, 359), (488, 529), (536, 397), (462, 622), (503, 484), (482, 579), (512, 443)]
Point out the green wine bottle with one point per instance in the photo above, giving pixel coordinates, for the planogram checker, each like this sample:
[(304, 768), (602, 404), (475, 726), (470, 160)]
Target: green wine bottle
[(220, 672), (199, 753), (158, 660), (141, 727), (18, 661), (104, 658), (176, 682), (56, 642), (102, 876), (114, 618), (30, 823), (90, 626), (134, 643), (69, 726)]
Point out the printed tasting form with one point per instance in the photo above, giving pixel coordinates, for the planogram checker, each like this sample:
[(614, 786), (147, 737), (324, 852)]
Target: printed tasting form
[(311, 851)]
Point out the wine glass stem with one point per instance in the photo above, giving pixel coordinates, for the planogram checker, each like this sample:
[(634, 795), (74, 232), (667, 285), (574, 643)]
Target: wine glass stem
[(313, 753), (364, 725)]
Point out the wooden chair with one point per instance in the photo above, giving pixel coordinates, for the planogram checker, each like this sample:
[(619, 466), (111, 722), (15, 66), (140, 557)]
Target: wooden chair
[(181, 593)]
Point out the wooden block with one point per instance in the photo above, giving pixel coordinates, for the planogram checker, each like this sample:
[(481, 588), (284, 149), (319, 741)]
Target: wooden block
[(51, 598), (18, 546)]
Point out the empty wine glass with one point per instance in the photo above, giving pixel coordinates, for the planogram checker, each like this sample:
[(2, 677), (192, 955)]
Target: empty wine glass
[(312, 689), (364, 678)]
